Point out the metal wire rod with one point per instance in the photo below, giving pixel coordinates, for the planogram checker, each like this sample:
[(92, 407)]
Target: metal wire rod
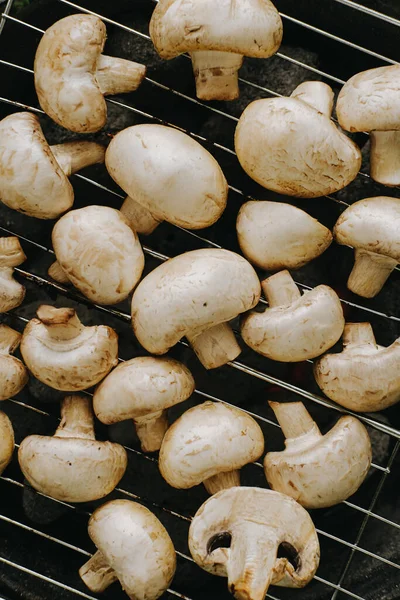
[(369, 11)]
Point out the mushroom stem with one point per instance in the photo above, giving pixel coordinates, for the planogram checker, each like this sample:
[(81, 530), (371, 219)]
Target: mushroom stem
[(222, 481), (61, 323), (9, 339), (215, 346), (140, 219), (76, 418), (57, 273), (151, 430), (294, 418), (316, 94), (369, 273), (74, 156), (385, 157), (118, 76), (216, 74), (11, 253), (97, 573), (280, 289), (358, 334)]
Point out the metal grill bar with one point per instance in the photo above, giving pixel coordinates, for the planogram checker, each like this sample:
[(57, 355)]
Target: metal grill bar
[(369, 11)]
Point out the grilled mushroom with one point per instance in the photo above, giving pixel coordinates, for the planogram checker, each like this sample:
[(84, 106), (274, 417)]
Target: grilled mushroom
[(13, 373), (12, 293), (6, 441)]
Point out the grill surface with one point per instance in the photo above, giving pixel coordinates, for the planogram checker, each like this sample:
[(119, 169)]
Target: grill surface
[(43, 542)]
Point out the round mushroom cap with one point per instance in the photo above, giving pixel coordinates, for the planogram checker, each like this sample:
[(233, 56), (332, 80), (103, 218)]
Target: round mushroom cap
[(208, 439), (370, 100), (142, 386), (31, 180), (274, 235), (6, 441), (13, 373), (289, 147), (372, 224), (249, 27), (99, 252), (169, 173)]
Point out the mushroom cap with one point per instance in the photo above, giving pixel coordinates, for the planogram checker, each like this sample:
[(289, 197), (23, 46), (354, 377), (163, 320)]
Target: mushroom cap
[(137, 547), (249, 27), (372, 224), (31, 180), (289, 147), (274, 235), (282, 517), (99, 252), (320, 471), (370, 100), (142, 386), (65, 67), (208, 439), (12, 293), (6, 441), (191, 293), (169, 173), (13, 373)]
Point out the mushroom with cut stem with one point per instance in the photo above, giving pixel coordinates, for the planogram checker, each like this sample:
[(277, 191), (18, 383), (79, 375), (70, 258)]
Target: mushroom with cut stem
[(168, 176), (194, 295), (133, 547), (64, 354), (365, 377), (369, 101), (255, 522), (6, 441), (143, 389), (72, 465), (317, 470), (98, 252), (34, 175), (294, 327), (209, 444), (13, 373), (372, 227), (217, 37), (12, 293), (274, 235), (291, 145), (72, 76)]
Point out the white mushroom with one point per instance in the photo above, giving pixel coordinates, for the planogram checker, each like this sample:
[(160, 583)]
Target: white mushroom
[(13, 373), (369, 101), (64, 354), (217, 37), (317, 470), (364, 377), (372, 227), (275, 236), (257, 522), (72, 76), (6, 441), (209, 444), (143, 389), (194, 295), (291, 146), (98, 252), (168, 176), (34, 175), (133, 547), (12, 293), (294, 327), (71, 465)]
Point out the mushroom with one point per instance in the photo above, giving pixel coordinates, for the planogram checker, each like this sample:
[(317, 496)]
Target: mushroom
[(71, 465), (6, 441), (143, 389), (291, 146), (274, 235), (12, 293), (317, 470), (13, 373), (133, 547), (98, 252), (372, 227), (256, 523), (369, 102), (294, 327), (64, 354), (168, 176), (194, 295), (217, 37), (34, 175), (364, 377), (72, 76), (209, 444)]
